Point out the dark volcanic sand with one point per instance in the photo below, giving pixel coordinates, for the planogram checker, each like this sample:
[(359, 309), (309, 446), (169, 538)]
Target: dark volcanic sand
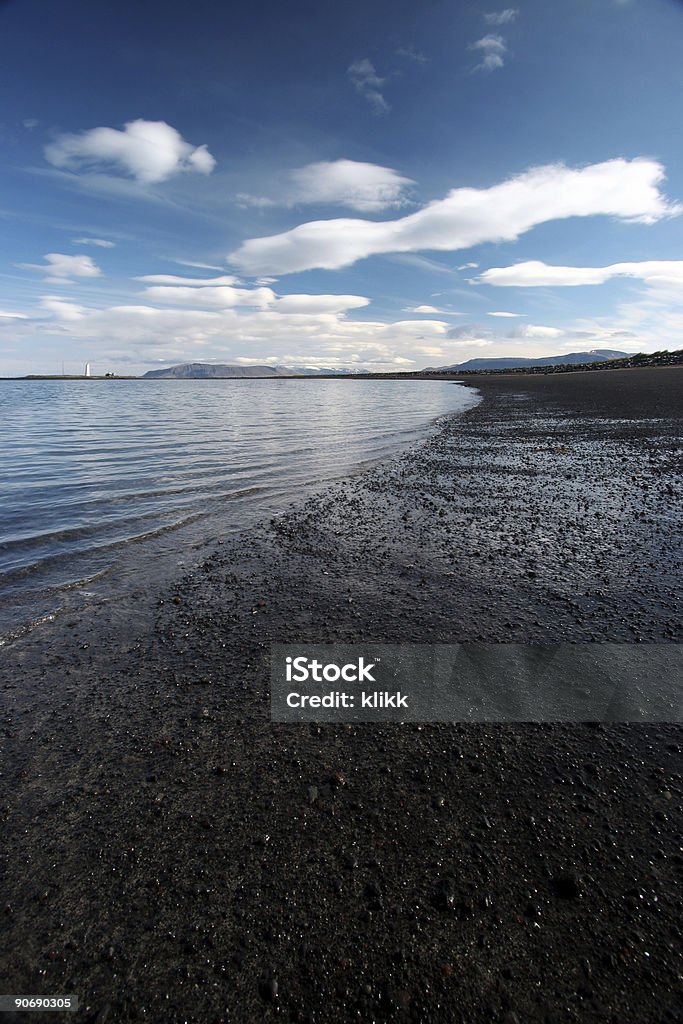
[(169, 855)]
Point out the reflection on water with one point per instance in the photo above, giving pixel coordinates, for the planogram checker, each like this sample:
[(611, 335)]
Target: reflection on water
[(88, 468)]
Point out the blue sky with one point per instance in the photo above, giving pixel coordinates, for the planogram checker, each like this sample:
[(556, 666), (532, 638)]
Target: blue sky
[(391, 186)]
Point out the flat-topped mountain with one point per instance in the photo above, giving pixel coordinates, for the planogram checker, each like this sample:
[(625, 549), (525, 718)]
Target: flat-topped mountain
[(187, 371), (201, 371), (596, 355)]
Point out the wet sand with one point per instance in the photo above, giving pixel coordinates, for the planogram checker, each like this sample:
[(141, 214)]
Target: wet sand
[(170, 855)]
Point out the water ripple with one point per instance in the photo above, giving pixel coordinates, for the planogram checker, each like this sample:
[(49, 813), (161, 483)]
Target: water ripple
[(88, 468)]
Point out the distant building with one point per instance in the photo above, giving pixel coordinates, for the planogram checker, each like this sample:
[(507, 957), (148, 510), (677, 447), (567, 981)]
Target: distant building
[(87, 370)]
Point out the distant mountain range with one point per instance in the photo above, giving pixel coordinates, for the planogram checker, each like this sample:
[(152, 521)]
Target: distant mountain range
[(204, 371), (596, 355)]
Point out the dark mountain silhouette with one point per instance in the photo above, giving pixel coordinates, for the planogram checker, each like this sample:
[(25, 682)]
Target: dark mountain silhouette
[(596, 355)]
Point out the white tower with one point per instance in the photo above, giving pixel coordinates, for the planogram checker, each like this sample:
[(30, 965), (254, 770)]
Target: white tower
[(87, 370)]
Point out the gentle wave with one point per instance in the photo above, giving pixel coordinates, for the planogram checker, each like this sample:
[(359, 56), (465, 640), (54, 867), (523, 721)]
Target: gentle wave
[(90, 469)]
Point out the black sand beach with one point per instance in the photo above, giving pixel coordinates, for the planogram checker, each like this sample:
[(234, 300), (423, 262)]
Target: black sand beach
[(170, 855)]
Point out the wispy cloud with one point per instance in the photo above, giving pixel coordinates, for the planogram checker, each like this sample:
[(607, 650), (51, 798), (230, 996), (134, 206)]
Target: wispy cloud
[(410, 53), (101, 243), (148, 151), (483, 335), (627, 189), (411, 259), (492, 48), (368, 84), (501, 17), (246, 199), (111, 186), (192, 263)]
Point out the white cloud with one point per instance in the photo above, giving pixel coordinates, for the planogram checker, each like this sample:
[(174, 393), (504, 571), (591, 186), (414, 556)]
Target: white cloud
[(192, 282), (503, 313), (534, 273), (431, 350), (492, 47), (423, 309), (7, 314), (538, 331), (537, 334), (368, 188), (145, 333), (60, 268), (627, 189), (217, 297), (501, 17), (311, 304), (101, 243), (468, 266), (149, 151), (315, 330), (368, 84), (61, 308), (221, 293), (470, 332)]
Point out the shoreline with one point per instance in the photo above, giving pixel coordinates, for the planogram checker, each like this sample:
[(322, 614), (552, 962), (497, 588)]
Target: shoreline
[(311, 872), (113, 563)]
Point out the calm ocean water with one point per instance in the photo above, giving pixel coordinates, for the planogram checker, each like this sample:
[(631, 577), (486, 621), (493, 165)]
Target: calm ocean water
[(99, 476)]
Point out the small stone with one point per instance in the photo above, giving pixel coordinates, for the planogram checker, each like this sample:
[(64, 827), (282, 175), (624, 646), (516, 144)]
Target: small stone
[(373, 893), (444, 897), (269, 989), (566, 885)]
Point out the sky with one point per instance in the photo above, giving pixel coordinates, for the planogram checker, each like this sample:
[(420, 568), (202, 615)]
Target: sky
[(380, 185)]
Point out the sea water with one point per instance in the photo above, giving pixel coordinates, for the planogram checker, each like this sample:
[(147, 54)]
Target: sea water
[(97, 475)]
